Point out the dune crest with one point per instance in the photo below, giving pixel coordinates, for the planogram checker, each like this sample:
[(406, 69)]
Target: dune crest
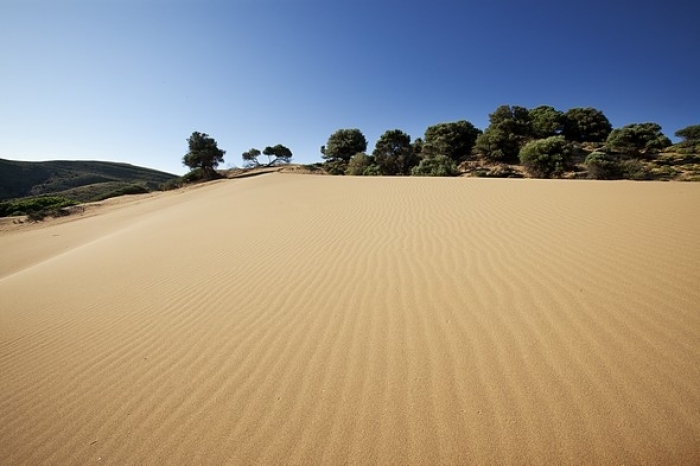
[(296, 319)]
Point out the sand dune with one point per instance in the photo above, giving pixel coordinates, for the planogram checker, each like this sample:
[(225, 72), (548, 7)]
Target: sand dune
[(292, 319)]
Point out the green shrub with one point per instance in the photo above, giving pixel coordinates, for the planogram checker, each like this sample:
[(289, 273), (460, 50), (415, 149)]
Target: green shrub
[(195, 175), (34, 205), (547, 158), (169, 185), (664, 173), (358, 164), (336, 166), (439, 165), (635, 170), (123, 191), (637, 139), (372, 170), (602, 166)]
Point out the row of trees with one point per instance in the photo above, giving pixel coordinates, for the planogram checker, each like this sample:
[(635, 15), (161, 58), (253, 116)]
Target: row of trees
[(204, 156), (544, 140), (276, 155)]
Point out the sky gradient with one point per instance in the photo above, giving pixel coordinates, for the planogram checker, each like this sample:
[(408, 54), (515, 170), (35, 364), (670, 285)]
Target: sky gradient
[(131, 80)]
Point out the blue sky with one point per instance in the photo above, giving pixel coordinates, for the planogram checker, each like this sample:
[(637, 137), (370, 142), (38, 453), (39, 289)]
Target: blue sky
[(129, 80)]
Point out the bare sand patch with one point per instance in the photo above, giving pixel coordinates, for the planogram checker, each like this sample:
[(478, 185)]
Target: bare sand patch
[(293, 319)]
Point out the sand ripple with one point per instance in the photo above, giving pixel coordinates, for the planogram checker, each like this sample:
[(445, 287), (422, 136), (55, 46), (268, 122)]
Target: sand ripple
[(290, 319)]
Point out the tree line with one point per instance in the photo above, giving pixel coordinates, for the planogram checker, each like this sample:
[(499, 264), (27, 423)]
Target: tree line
[(545, 141), (204, 157)]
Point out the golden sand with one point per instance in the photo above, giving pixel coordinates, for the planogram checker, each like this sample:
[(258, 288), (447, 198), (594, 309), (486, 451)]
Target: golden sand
[(294, 319)]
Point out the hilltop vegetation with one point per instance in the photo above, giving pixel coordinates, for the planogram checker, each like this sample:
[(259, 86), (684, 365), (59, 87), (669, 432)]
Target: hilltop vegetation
[(80, 181), (541, 142)]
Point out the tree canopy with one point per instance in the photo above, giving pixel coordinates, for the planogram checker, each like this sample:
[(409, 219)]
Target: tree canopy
[(343, 144), (689, 133), (393, 153), (438, 165), (204, 154), (250, 157), (454, 140), (546, 121), (637, 139), (281, 154), (544, 158), (586, 125), (509, 129)]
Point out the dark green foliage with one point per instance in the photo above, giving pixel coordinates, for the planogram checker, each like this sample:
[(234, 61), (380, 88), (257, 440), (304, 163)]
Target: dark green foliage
[(635, 170), (129, 189), (515, 120), (280, 153), (372, 170), (439, 165), (204, 154), (79, 180), (689, 134), (169, 185), (546, 121), (637, 139), (32, 205), (418, 147), (250, 157), (393, 153), (341, 146), (509, 129), (602, 166), (336, 167), (358, 164), (455, 140), (193, 176), (547, 158), (586, 125), (685, 147), (496, 145)]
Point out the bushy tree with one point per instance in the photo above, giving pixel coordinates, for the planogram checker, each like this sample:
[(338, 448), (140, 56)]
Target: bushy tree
[(204, 154), (689, 134), (250, 157), (372, 170), (417, 147), (497, 145), (438, 165), (358, 164), (637, 139), (280, 153), (546, 121), (455, 139), (602, 166), (509, 129), (393, 153), (546, 158), (342, 145), (586, 125)]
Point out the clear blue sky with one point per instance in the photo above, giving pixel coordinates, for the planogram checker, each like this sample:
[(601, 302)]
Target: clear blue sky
[(131, 80)]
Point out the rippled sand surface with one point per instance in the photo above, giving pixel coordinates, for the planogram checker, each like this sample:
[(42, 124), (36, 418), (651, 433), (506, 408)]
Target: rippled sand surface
[(294, 319)]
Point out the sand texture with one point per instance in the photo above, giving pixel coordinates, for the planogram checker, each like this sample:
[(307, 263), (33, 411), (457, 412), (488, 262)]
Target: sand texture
[(296, 319)]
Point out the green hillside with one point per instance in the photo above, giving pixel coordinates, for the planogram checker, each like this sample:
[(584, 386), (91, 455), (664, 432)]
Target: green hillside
[(78, 180)]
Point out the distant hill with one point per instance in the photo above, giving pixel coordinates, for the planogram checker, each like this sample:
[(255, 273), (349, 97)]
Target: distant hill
[(79, 180)]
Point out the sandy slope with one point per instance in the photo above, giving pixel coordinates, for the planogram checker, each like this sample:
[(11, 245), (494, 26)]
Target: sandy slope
[(291, 319)]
